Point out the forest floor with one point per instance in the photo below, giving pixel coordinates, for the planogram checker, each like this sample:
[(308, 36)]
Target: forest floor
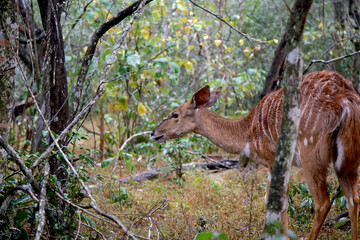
[(230, 201)]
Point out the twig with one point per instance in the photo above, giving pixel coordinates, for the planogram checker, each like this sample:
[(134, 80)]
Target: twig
[(24, 169), (78, 230), (90, 131), (98, 94), (27, 189), (251, 39), (331, 60), (102, 235), (101, 90), (84, 210), (94, 39), (42, 204), (79, 18), (123, 146)]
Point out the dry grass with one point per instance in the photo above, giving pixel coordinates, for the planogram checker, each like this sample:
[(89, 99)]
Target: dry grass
[(230, 201)]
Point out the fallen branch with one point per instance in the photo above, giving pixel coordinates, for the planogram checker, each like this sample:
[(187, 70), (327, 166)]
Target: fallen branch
[(154, 173)]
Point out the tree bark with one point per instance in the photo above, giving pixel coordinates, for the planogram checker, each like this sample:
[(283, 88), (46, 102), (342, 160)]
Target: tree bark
[(277, 203), (9, 36), (275, 74), (56, 75)]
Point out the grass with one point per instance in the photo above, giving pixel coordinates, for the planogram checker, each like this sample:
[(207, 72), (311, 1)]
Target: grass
[(229, 201)]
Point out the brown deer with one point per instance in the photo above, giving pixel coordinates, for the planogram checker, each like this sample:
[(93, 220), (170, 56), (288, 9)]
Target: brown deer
[(328, 134)]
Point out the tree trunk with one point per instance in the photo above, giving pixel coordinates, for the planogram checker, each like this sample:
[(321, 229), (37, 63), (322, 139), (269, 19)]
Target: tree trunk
[(56, 74), (275, 75), (9, 36), (277, 203)]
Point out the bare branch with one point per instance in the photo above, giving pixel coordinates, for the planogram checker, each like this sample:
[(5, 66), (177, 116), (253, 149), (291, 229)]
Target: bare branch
[(123, 146), (331, 60), (24, 169), (42, 204), (91, 47), (251, 39)]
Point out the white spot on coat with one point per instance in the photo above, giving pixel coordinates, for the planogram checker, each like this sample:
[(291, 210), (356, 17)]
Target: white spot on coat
[(305, 142)]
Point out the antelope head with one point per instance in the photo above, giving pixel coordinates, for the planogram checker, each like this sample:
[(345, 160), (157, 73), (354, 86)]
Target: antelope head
[(184, 119)]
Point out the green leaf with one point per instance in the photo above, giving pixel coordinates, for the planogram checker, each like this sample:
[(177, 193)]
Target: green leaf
[(197, 27), (129, 165), (133, 60), (211, 235), (106, 162), (162, 62), (175, 67), (123, 102)]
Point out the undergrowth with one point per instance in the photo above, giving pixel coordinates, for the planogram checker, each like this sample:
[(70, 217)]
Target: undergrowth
[(229, 202)]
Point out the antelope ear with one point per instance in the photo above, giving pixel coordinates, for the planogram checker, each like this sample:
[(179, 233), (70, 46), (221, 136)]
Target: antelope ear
[(213, 97), (205, 98)]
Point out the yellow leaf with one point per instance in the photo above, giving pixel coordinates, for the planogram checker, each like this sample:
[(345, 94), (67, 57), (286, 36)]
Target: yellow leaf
[(247, 51), (191, 13), (191, 47), (145, 33), (217, 42), (205, 37), (156, 13), (241, 42), (188, 65), (276, 41), (202, 44), (141, 109), (228, 49), (184, 19), (187, 30)]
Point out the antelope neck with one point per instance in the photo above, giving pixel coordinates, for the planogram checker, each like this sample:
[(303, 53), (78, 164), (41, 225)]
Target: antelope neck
[(229, 134)]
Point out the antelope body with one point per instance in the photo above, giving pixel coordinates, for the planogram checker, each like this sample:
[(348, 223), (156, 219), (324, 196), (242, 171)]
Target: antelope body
[(328, 135)]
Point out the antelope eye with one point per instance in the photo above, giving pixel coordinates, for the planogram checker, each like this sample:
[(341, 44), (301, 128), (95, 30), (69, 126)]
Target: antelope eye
[(174, 115)]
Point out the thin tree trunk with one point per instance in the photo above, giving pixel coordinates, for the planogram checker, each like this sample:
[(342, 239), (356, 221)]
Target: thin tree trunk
[(276, 72), (56, 75), (277, 204)]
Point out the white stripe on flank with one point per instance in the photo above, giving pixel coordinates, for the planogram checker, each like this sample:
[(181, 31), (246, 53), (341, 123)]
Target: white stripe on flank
[(247, 150), (305, 142), (262, 119), (269, 112), (276, 117), (312, 107), (340, 155)]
